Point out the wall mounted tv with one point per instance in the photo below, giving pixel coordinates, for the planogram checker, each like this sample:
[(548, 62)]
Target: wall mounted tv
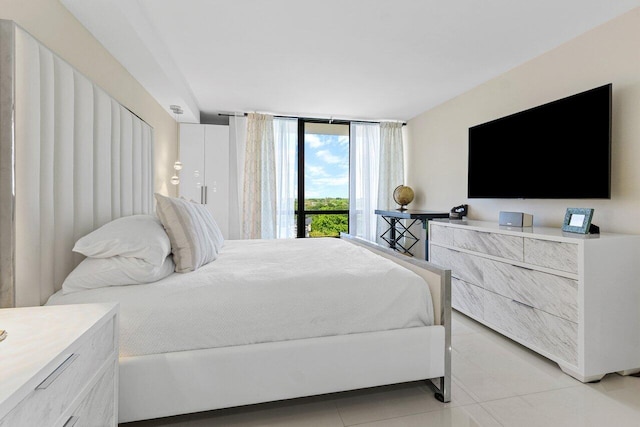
[(559, 150)]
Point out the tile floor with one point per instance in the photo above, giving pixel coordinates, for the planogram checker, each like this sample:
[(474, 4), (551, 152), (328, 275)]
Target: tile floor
[(496, 382)]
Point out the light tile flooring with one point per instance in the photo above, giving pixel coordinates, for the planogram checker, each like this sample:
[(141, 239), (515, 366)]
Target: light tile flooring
[(496, 382)]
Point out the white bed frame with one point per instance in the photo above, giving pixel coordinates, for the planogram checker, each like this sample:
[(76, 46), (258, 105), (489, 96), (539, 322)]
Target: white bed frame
[(56, 130)]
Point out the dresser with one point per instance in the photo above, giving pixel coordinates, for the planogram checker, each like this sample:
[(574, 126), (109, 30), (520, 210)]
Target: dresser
[(573, 298), (59, 366)]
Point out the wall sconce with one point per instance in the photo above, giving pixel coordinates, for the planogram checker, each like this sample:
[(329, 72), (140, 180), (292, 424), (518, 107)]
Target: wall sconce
[(177, 166)]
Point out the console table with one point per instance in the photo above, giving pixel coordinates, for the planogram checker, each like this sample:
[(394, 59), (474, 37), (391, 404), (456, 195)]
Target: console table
[(398, 231)]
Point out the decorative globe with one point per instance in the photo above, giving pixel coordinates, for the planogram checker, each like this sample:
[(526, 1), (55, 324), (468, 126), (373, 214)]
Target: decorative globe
[(403, 195)]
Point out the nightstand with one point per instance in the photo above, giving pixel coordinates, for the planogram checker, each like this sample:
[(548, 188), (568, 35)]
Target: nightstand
[(59, 366)]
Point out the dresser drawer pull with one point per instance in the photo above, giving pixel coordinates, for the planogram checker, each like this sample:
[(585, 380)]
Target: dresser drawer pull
[(71, 421), (55, 374), (521, 303)]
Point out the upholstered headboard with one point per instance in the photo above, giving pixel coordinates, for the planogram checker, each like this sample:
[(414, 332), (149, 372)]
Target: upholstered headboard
[(71, 159)]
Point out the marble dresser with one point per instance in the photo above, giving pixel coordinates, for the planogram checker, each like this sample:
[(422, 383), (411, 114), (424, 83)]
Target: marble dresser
[(59, 366), (572, 298)]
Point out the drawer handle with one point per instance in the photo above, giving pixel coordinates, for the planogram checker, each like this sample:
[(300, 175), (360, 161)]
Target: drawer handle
[(55, 374), (71, 421), (521, 303)]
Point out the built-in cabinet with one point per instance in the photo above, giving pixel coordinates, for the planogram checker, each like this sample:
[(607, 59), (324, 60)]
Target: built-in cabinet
[(570, 297), (59, 366), (204, 178)]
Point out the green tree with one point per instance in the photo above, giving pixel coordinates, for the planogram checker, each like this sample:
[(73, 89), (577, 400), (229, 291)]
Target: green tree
[(329, 225)]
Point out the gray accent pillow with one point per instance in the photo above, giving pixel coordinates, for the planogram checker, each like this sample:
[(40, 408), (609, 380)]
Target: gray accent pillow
[(195, 237)]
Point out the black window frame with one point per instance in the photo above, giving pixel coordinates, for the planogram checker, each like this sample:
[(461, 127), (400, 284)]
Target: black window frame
[(300, 212)]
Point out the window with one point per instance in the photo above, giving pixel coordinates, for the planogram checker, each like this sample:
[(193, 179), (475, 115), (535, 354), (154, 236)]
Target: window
[(322, 205)]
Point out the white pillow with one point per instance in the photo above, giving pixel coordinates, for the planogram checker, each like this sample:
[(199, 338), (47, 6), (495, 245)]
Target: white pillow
[(195, 237), (93, 273), (136, 236)]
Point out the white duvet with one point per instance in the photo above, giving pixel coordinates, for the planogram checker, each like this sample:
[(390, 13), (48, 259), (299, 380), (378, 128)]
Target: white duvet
[(266, 290)]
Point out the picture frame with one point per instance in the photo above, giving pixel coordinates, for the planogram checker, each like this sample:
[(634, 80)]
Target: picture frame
[(577, 220)]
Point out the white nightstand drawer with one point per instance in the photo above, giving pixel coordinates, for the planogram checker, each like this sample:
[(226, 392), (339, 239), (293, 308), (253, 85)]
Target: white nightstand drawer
[(45, 404), (97, 407)]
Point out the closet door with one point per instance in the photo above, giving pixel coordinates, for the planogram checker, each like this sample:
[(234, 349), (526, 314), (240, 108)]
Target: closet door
[(216, 159), (193, 164), (204, 178)]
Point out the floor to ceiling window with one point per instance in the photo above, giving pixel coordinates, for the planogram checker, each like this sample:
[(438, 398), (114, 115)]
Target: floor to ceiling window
[(322, 205)]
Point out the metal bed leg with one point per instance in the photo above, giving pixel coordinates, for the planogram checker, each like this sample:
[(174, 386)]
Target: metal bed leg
[(443, 393)]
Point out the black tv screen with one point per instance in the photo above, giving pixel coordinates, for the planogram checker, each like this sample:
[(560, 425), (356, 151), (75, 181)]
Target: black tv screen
[(559, 150)]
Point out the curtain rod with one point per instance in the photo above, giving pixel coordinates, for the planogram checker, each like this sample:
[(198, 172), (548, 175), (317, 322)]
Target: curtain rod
[(330, 119)]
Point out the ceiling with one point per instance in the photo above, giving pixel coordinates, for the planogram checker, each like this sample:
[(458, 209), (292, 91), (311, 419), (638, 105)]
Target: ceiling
[(353, 59)]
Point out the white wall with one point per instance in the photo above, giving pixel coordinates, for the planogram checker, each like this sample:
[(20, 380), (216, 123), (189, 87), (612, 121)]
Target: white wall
[(438, 138), (51, 23)]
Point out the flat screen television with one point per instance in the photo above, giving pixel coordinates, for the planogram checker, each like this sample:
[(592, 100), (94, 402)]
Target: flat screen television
[(559, 150)]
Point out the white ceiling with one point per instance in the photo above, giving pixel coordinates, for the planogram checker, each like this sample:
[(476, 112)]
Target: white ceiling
[(357, 59)]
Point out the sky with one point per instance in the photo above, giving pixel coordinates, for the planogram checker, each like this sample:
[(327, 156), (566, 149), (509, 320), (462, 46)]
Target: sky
[(326, 166)]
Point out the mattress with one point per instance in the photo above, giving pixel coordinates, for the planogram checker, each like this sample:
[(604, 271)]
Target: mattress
[(263, 291)]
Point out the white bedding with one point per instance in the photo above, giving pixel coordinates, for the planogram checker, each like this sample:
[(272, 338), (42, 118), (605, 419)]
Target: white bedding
[(266, 290)]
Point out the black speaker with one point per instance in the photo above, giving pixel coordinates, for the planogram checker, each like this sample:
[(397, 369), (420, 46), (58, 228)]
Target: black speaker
[(516, 219)]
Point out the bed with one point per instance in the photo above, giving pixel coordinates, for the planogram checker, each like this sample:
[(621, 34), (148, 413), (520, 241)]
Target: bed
[(364, 316)]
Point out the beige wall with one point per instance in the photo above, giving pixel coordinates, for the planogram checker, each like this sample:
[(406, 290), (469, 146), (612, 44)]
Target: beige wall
[(51, 23), (437, 139)]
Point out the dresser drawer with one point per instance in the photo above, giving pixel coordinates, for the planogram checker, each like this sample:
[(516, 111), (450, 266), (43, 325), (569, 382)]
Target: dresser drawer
[(557, 255), (97, 408), (440, 234), (500, 245), (463, 266), (554, 294), (533, 327), (467, 298), (45, 404)]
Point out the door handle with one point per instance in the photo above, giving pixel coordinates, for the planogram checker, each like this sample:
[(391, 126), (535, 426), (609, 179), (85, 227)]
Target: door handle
[(206, 194)]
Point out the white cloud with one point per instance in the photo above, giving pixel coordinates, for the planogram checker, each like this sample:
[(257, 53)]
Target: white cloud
[(328, 157), (314, 170), (332, 182), (313, 140)]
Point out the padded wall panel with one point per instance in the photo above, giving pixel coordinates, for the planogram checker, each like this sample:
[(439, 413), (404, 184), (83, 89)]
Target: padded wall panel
[(101, 155), (116, 208), (27, 170), (136, 162), (47, 143), (126, 164), (63, 169), (81, 160), (7, 178)]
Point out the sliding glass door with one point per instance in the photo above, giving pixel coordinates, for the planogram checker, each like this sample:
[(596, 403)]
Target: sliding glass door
[(322, 205)]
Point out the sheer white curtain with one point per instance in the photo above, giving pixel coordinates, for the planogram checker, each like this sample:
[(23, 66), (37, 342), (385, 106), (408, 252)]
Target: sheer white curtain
[(391, 168), (259, 196), (363, 181), (285, 133), (237, 146)]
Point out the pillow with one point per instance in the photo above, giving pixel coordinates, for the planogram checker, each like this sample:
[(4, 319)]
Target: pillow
[(93, 273), (194, 235), (136, 236)]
